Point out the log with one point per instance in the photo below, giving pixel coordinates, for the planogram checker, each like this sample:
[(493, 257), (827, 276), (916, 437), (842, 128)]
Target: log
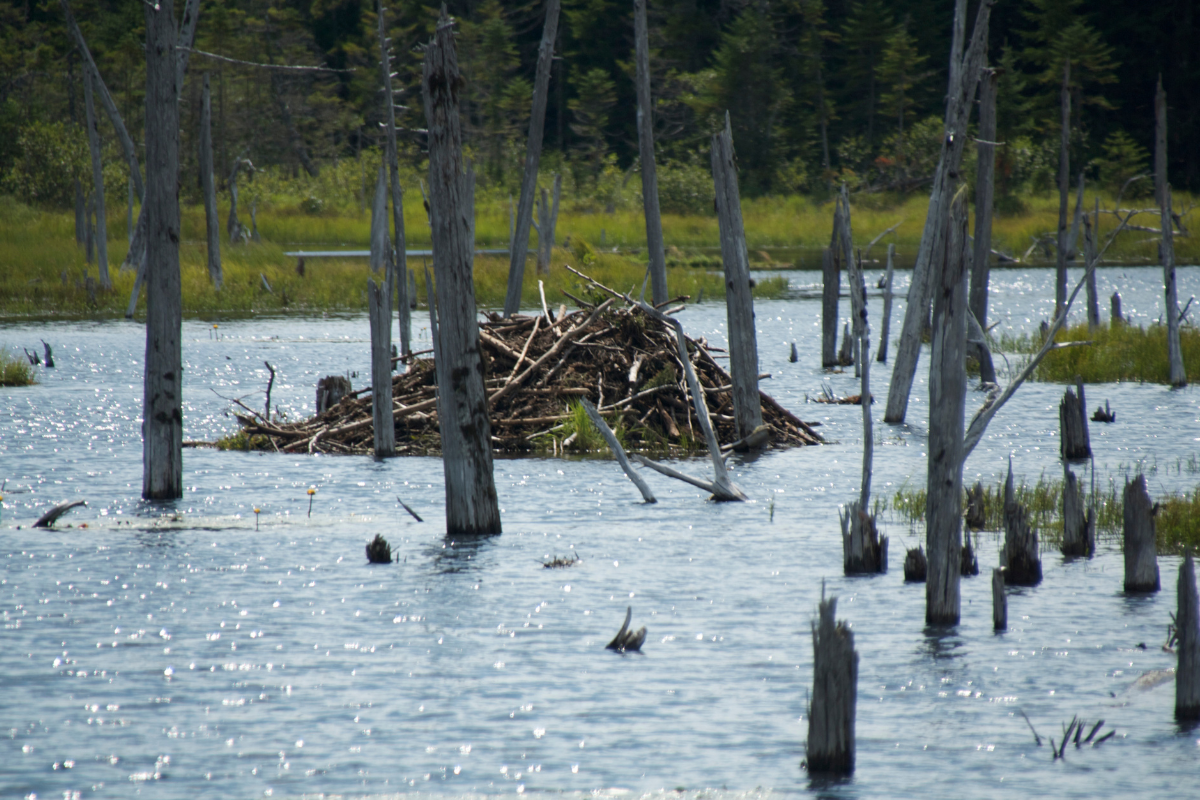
[(380, 313), (1167, 246), (985, 173), (1074, 442), (964, 71), (1079, 527), (330, 391), (864, 551), (739, 303), (947, 399), (886, 323), (400, 259), (999, 601), (645, 123), (162, 458), (1064, 186), (378, 549), (916, 566), (831, 288), (208, 185), (626, 639), (618, 451), (1187, 630), (533, 153), (1019, 557), (471, 503), (831, 711), (1141, 559), (101, 237), (48, 519)]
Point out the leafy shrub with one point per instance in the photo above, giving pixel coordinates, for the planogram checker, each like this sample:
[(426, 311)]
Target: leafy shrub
[(50, 156), (685, 188)]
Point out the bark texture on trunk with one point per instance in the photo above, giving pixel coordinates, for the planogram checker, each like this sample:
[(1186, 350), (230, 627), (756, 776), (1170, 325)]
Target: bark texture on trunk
[(645, 120), (1187, 629), (831, 712), (1064, 188), (1141, 554), (1167, 247)]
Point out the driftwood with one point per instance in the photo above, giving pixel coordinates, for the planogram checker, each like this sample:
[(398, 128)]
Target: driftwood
[(628, 640), (831, 288), (1141, 558), (1074, 443), (48, 519), (916, 566), (1079, 526), (1187, 629), (617, 450), (832, 708), (645, 120), (379, 551), (1167, 245), (1019, 557), (1105, 414), (999, 601)]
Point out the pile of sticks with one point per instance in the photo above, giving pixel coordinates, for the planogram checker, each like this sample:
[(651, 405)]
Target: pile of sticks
[(612, 353)]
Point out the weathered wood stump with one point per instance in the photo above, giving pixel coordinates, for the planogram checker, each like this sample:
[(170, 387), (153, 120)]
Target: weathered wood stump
[(864, 551), (1141, 559), (845, 355), (999, 601), (379, 551), (1019, 558), (830, 747), (626, 639), (830, 288), (1105, 414), (975, 518), (1074, 443), (380, 313), (882, 355), (1079, 527), (1115, 301), (915, 565), (330, 391), (1187, 629)]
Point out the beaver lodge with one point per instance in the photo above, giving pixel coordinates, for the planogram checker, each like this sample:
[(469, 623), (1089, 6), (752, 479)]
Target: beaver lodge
[(537, 369)]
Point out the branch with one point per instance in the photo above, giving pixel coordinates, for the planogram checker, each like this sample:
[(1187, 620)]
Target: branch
[(292, 67), (875, 241)]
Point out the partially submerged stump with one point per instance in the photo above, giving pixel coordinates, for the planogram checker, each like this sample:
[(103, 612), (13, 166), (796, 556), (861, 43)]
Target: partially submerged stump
[(379, 551), (830, 288), (969, 565), (48, 519), (864, 551), (628, 640), (845, 355), (1141, 558), (975, 517), (1019, 558), (999, 601), (1075, 443), (1187, 629), (1105, 414), (831, 711), (915, 565), (1079, 527)]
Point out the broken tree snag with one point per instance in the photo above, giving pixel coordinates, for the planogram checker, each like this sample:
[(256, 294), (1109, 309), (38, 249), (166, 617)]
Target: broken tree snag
[(739, 303), (975, 517), (1166, 249), (471, 503), (1187, 629), (916, 567), (864, 551), (162, 426), (999, 601), (1079, 527), (380, 258), (886, 324), (1074, 442), (48, 519), (831, 711), (533, 153), (97, 181), (846, 352), (1115, 304), (379, 299), (964, 72), (645, 120), (1064, 187), (1091, 227), (830, 289), (947, 399), (862, 333), (617, 450), (330, 391), (985, 145), (626, 639), (1019, 557), (1141, 556), (208, 185), (400, 259)]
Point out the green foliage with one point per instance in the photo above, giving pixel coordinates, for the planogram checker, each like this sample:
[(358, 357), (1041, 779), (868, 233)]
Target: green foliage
[(1116, 353), (899, 72), (596, 95), (685, 188), (1123, 159), (50, 156), (15, 369)]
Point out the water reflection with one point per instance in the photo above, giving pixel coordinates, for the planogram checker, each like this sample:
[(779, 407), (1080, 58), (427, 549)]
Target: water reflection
[(942, 642), (458, 554), (827, 787)]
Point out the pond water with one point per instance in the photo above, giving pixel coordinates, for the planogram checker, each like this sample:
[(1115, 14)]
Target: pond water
[(187, 649)]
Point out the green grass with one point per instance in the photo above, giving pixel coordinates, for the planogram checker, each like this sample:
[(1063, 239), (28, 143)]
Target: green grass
[(1116, 353), (15, 369)]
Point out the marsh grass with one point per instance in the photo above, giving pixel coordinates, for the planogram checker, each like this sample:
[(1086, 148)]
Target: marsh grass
[(15, 369), (1116, 353)]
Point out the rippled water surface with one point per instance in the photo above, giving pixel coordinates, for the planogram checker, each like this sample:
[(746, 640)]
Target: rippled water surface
[(186, 650)]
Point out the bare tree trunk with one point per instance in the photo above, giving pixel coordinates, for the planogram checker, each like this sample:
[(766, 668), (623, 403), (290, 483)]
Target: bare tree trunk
[(471, 502), (129, 213), (380, 258), (1074, 442), (80, 212), (399, 238), (831, 288), (999, 601), (162, 455), (886, 324), (533, 154), (1020, 557), (1064, 186), (379, 300), (831, 712), (212, 222), (97, 183), (1115, 310), (285, 112), (964, 73), (1076, 220), (1187, 629), (89, 229), (984, 191), (233, 226), (1167, 247), (947, 399), (1141, 555), (739, 304), (645, 119), (1091, 228)]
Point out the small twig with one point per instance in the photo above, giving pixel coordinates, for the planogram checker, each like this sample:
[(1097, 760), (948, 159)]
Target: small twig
[(270, 383), (409, 510), (291, 67), (1036, 738)]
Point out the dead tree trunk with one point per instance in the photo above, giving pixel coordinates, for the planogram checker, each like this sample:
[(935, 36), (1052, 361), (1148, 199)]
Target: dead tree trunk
[(400, 259), (1074, 442), (129, 214), (1091, 227), (471, 502), (80, 213), (999, 601), (212, 222), (886, 324), (233, 226), (831, 288), (1141, 556), (964, 72), (989, 80), (947, 400), (864, 550), (1187, 630), (533, 154), (831, 712), (97, 183), (379, 224), (1079, 527), (1020, 559), (1064, 187), (1167, 246), (162, 454), (1115, 309), (547, 213), (645, 120), (1076, 220), (379, 300), (739, 304)]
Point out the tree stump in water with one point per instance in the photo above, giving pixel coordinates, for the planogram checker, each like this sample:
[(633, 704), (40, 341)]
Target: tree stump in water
[(970, 564), (330, 391), (975, 518), (915, 565), (1019, 558), (1187, 628), (831, 286), (1141, 559), (999, 601), (830, 747), (864, 551), (1116, 319), (1072, 416), (846, 354), (379, 551), (1079, 528), (1105, 414)]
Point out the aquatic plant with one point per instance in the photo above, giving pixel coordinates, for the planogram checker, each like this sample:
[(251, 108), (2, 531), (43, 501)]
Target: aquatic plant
[(14, 370), (1116, 353)]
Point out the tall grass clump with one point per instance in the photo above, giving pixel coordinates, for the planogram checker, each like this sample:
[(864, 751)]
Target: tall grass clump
[(1116, 353), (14, 369)]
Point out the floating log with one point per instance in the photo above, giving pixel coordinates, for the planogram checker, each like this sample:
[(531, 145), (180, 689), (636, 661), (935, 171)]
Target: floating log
[(1141, 558), (379, 551), (999, 601), (1187, 629), (1074, 442), (1079, 527), (831, 711), (975, 517), (627, 640), (48, 519), (1105, 414), (1020, 559), (864, 551), (916, 567)]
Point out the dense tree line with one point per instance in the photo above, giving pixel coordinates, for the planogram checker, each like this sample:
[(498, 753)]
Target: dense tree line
[(819, 91)]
